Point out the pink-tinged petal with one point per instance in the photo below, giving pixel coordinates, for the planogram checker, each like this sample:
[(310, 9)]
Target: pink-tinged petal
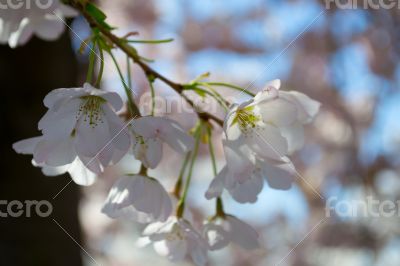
[(80, 174), (26, 146), (118, 197), (248, 191), (57, 97), (238, 163), (294, 135), (153, 153), (217, 185), (279, 112), (120, 136), (216, 236), (267, 142), (49, 28), (149, 196), (148, 127), (92, 135), (60, 123), (279, 176), (138, 198), (92, 163), (197, 246), (268, 94), (276, 83), (243, 234), (54, 152), (173, 134), (307, 108), (54, 171), (174, 250), (22, 35)]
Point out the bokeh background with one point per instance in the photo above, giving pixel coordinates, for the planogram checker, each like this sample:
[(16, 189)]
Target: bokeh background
[(346, 59)]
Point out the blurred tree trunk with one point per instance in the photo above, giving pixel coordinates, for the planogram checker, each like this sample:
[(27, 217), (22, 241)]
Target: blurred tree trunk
[(27, 74)]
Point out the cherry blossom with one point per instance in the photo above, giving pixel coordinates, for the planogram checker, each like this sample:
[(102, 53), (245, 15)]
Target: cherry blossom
[(19, 23), (260, 134), (220, 231), (81, 122), (175, 239), (151, 132), (139, 198), (77, 170)]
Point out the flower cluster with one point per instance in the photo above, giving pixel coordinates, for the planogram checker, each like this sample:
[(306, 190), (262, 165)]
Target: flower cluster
[(82, 134), (259, 136)]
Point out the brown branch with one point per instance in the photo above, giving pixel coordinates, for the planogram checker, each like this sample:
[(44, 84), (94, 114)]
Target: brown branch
[(128, 50)]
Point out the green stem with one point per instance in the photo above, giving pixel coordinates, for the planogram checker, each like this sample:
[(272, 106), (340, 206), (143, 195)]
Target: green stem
[(131, 105), (178, 184), (219, 205), (92, 60), (153, 93), (151, 41), (181, 203), (100, 75), (211, 148), (227, 85)]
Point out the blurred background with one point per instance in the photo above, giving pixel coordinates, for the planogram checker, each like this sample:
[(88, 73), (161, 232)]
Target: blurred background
[(346, 59)]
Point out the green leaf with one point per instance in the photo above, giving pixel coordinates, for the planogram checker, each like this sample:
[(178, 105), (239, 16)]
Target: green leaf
[(96, 12), (98, 15)]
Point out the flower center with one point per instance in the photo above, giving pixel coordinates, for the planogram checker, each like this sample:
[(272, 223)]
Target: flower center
[(175, 235), (91, 110), (246, 118)]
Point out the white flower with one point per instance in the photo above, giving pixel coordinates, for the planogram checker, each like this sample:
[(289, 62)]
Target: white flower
[(77, 170), (221, 231), (81, 122), (175, 239), (139, 198), (19, 24), (244, 175), (271, 124), (151, 132), (260, 133)]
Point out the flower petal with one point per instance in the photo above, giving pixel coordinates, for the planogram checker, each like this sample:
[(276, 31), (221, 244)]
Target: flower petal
[(26, 146), (243, 234), (279, 176)]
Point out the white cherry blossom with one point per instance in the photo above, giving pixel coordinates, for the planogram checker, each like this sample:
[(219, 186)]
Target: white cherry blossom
[(260, 134), (271, 124), (149, 135), (139, 198), (220, 231), (18, 23), (175, 239), (82, 122), (77, 170)]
